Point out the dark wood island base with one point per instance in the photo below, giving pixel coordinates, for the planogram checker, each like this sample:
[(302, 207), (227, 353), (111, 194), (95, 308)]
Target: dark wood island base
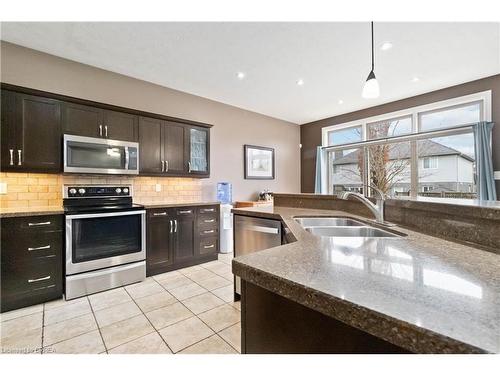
[(272, 324)]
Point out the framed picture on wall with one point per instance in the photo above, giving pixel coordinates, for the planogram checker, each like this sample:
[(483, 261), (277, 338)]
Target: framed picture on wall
[(259, 163)]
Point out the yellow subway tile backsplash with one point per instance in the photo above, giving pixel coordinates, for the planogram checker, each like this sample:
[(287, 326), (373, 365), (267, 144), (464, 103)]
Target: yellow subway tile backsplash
[(39, 189)]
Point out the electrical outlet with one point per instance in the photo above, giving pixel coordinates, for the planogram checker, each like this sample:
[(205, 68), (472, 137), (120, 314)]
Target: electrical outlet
[(157, 188), (3, 188), (496, 175)]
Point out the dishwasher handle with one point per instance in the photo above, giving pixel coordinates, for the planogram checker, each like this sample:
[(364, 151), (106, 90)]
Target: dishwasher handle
[(259, 228)]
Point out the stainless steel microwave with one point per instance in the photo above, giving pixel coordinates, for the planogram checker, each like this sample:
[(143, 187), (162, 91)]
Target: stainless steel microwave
[(100, 156)]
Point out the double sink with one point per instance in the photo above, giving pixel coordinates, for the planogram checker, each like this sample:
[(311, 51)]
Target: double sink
[(342, 227)]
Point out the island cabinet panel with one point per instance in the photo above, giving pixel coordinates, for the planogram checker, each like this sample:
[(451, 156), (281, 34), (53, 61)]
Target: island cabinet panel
[(31, 133), (31, 260), (180, 237), (150, 146), (274, 324)]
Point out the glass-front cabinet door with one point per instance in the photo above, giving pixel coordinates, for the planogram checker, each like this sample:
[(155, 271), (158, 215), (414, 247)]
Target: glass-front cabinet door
[(199, 143)]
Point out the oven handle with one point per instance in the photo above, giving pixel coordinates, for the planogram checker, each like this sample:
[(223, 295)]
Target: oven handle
[(105, 214)]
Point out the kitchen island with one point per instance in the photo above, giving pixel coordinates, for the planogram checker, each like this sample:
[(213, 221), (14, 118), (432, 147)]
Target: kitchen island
[(416, 293)]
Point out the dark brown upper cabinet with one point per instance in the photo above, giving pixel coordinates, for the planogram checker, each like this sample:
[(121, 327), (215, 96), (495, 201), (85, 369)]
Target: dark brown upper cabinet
[(150, 146), (33, 121), (198, 150), (31, 133), (95, 122), (170, 148), (174, 148), (121, 126)]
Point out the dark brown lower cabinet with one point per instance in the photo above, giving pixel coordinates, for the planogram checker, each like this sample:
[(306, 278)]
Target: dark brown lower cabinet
[(31, 260), (181, 237)]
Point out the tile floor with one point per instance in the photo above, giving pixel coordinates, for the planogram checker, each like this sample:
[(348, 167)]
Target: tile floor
[(185, 311)]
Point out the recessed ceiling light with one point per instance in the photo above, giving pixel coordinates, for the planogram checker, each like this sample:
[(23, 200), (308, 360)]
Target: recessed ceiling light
[(300, 82), (415, 79), (386, 46), (240, 75), (341, 101)]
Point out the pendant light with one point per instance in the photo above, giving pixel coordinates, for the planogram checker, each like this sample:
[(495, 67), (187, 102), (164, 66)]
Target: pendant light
[(371, 88)]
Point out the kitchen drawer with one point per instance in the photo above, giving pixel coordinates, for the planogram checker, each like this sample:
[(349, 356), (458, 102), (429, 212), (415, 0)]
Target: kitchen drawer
[(31, 247), (209, 232), (184, 211), (208, 210), (158, 213), (32, 224), (208, 221), (209, 245), (31, 282)]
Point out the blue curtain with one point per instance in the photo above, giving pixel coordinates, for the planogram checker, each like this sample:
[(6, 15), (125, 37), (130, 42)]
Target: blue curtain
[(484, 163), (318, 185)]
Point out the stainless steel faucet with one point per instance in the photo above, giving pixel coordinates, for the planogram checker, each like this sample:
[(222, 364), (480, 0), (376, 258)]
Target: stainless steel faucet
[(377, 209)]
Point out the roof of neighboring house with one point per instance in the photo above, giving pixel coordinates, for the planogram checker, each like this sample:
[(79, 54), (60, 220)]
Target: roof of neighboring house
[(426, 148)]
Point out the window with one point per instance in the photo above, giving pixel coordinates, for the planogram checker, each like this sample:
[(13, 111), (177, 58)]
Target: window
[(347, 135), (345, 170), (430, 162), (452, 116), (389, 128), (384, 151)]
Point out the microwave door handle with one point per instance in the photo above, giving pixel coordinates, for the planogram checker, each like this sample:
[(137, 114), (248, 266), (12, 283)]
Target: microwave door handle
[(127, 157)]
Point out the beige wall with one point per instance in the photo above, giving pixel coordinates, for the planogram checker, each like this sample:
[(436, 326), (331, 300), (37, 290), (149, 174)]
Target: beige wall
[(233, 127)]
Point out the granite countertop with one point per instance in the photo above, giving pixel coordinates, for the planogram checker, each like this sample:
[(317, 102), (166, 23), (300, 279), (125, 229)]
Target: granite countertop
[(55, 210), (170, 204), (30, 211), (425, 294)]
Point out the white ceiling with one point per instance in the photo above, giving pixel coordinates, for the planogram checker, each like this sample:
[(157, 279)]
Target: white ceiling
[(333, 59)]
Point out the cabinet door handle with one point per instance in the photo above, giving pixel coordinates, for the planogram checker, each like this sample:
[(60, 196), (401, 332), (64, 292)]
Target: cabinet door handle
[(208, 209), (19, 161), (209, 231), (11, 151), (39, 248), (185, 212), (209, 221), (40, 279), (166, 165), (189, 166), (100, 130), (175, 221), (106, 131), (208, 246), (39, 224), (171, 227), (160, 214), (163, 165)]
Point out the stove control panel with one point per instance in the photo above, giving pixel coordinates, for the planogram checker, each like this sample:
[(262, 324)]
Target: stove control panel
[(94, 191)]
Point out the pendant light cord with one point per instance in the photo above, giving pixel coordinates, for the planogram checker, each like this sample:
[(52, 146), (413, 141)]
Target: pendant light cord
[(373, 63)]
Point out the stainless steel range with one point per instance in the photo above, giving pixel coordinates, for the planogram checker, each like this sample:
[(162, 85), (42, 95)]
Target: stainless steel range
[(105, 238)]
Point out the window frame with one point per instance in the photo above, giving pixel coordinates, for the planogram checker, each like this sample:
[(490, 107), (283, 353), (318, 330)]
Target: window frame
[(484, 98), (430, 158)]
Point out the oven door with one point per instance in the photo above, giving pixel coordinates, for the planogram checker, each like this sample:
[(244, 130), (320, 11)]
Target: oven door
[(96, 155), (95, 241)]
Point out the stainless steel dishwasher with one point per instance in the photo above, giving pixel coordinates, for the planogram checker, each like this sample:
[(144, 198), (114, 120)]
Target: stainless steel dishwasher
[(252, 234)]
